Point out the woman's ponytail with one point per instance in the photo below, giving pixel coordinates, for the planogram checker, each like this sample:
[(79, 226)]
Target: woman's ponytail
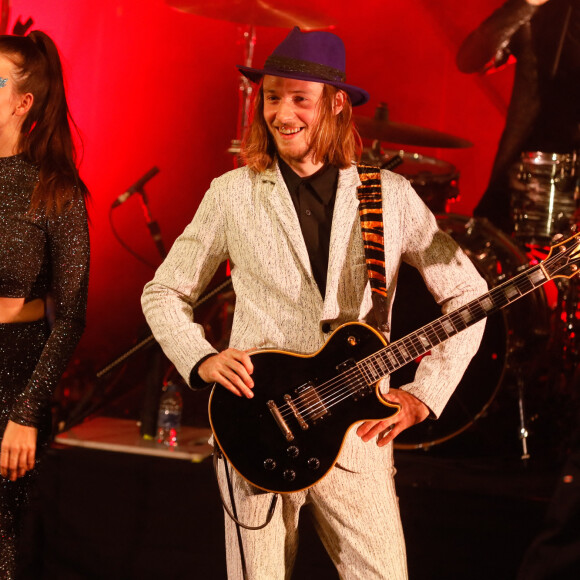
[(46, 139)]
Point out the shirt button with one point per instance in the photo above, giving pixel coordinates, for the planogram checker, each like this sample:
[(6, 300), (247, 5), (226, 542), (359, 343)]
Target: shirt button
[(308, 212), (326, 327)]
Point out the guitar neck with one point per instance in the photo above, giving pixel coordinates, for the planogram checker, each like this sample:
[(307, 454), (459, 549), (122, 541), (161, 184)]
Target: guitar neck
[(416, 344)]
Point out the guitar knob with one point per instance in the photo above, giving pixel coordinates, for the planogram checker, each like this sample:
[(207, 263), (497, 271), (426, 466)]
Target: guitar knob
[(293, 451), (289, 475), (269, 464), (313, 463)]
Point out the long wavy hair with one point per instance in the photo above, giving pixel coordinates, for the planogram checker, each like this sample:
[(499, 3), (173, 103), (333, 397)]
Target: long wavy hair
[(334, 140), (45, 137)]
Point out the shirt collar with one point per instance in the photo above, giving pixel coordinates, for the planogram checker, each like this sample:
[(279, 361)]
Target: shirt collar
[(324, 182)]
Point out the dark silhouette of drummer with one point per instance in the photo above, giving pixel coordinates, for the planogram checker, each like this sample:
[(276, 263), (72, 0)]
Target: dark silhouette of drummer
[(543, 116), (544, 110)]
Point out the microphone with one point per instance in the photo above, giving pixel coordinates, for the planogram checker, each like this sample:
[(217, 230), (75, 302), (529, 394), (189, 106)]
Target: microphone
[(136, 187)]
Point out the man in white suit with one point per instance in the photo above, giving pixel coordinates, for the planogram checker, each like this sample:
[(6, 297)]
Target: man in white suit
[(288, 222)]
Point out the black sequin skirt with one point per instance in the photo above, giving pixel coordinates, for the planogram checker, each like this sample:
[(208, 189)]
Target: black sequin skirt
[(20, 347)]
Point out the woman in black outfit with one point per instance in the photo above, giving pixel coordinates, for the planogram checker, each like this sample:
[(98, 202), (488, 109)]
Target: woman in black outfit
[(44, 251)]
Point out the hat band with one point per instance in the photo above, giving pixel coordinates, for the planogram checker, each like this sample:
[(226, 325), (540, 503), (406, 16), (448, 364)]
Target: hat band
[(293, 65)]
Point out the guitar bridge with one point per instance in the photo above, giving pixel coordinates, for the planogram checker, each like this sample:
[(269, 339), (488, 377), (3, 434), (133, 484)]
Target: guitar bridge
[(280, 420), (310, 402)]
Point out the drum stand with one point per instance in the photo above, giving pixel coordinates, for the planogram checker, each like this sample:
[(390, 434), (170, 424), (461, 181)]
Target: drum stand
[(516, 362), (245, 91), (567, 323), (523, 429), (563, 349)]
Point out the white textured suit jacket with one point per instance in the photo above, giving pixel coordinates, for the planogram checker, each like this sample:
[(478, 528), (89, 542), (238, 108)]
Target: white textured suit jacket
[(249, 219)]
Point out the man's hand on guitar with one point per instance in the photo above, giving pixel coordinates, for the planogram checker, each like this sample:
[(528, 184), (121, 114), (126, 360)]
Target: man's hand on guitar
[(230, 368), (412, 412)]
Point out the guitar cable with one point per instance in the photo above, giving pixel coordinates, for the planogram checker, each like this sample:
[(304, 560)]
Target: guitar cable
[(233, 514)]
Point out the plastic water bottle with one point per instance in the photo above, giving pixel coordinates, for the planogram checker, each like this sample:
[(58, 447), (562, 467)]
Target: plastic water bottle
[(169, 417)]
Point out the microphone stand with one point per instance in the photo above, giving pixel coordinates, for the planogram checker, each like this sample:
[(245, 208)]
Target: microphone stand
[(152, 224), (152, 393)]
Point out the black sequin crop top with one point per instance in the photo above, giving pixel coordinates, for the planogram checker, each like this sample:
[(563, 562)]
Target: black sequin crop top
[(42, 255)]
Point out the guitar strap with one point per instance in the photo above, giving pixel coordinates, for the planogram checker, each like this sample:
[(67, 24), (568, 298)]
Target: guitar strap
[(370, 198)]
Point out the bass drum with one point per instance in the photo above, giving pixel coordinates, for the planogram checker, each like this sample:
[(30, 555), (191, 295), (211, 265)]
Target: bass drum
[(510, 335)]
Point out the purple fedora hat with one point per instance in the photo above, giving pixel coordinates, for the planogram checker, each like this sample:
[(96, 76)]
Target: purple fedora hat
[(309, 56)]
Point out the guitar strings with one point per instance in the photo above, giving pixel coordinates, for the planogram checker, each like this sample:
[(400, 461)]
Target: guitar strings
[(350, 383), (413, 341), (331, 387), (353, 379), (343, 386)]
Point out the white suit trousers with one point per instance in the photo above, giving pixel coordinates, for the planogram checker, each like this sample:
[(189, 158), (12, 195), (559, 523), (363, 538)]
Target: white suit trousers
[(355, 514)]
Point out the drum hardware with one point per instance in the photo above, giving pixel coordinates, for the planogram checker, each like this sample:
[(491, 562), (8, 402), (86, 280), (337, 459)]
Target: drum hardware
[(509, 344), (544, 195), (392, 163), (524, 434), (381, 128), (567, 325), (436, 181), (245, 91), (544, 188), (384, 161), (561, 354)]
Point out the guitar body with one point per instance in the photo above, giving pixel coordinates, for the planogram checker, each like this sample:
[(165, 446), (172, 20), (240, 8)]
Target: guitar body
[(288, 436)]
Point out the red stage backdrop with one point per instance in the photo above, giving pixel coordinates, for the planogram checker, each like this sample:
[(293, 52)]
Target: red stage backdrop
[(151, 86)]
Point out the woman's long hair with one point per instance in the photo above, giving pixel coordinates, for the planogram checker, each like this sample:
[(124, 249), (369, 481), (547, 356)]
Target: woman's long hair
[(45, 137), (334, 140)]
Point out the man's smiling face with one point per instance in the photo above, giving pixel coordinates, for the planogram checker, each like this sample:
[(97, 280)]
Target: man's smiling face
[(291, 110)]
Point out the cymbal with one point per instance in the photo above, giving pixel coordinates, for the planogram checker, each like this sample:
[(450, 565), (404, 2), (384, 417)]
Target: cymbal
[(276, 13), (381, 128)]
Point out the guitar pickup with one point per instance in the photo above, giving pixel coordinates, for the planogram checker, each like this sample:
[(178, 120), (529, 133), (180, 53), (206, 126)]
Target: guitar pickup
[(310, 402), (303, 424)]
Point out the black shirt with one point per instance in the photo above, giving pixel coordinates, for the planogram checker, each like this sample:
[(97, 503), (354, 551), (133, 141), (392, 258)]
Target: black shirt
[(313, 198)]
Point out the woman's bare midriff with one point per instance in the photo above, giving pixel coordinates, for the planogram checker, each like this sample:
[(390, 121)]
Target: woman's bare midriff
[(16, 310)]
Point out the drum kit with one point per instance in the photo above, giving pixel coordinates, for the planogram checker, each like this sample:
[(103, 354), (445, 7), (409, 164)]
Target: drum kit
[(544, 191)]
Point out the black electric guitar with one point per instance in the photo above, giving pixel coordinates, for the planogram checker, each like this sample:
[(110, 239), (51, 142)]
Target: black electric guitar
[(288, 436)]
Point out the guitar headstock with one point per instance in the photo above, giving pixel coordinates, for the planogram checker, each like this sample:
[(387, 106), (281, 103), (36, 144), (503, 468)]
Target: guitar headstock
[(563, 261)]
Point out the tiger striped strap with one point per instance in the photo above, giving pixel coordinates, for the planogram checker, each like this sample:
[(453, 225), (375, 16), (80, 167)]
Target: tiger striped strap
[(371, 219)]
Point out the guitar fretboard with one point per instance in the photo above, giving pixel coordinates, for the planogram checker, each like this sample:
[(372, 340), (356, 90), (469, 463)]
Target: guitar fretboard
[(416, 344)]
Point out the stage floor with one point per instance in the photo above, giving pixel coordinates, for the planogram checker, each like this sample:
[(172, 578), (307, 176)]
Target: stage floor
[(115, 507)]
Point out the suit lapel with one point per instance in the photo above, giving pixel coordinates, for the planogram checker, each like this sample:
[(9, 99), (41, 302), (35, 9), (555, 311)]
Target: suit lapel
[(344, 215), (278, 197)]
